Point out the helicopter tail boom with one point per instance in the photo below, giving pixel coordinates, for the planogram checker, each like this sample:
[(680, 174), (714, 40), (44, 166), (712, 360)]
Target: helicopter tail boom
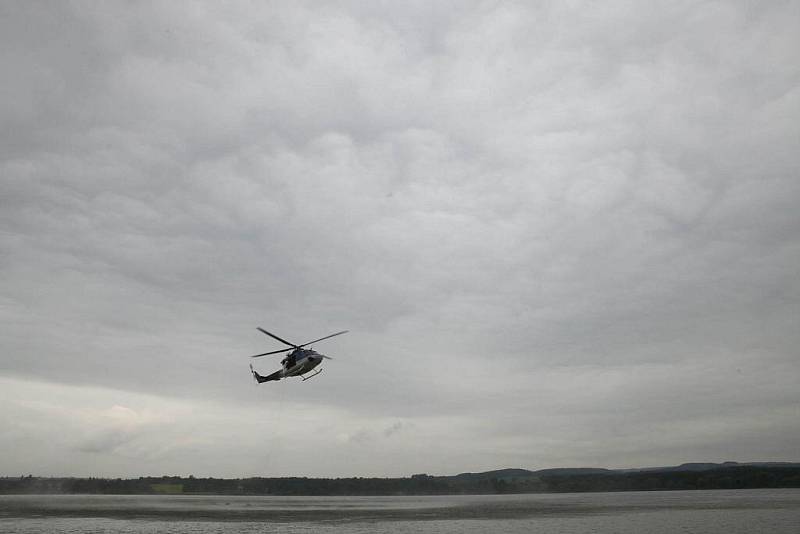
[(261, 378)]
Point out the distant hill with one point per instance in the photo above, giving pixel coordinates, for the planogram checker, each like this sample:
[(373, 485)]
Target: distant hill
[(498, 473), (573, 471), (707, 466)]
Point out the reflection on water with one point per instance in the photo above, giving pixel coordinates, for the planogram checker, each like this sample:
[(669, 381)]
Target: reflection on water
[(696, 511)]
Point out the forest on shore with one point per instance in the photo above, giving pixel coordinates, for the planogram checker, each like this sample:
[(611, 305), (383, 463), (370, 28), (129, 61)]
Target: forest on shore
[(729, 475)]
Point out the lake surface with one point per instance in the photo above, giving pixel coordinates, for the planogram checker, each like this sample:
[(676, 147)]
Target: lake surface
[(736, 511)]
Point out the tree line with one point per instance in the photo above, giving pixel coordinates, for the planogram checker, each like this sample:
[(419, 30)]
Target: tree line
[(737, 477)]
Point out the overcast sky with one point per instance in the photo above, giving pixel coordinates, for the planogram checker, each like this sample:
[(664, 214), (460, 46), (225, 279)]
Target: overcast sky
[(560, 234)]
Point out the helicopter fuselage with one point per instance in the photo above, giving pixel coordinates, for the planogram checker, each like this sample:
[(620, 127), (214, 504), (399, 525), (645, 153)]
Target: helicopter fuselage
[(300, 361)]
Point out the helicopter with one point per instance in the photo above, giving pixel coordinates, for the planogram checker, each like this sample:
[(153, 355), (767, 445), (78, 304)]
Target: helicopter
[(297, 363)]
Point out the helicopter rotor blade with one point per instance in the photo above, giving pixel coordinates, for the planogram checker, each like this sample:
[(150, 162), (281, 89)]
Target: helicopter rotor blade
[(326, 337), (272, 352), (279, 339), (326, 357)]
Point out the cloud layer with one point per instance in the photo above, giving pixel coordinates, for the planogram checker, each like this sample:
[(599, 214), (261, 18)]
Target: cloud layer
[(558, 233)]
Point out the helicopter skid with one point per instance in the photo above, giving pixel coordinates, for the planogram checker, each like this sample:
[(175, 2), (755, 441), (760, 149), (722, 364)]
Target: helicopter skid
[(311, 375)]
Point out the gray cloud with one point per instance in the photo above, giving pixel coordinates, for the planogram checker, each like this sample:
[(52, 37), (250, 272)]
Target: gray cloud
[(554, 231)]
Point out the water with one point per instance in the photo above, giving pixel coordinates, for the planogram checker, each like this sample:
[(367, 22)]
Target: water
[(708, 512)]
